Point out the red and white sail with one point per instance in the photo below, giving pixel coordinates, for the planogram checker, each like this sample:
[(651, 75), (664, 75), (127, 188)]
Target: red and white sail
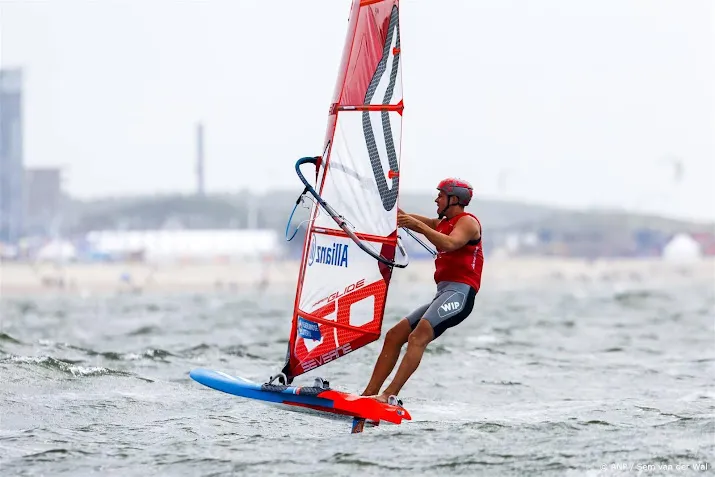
[(341, 293)]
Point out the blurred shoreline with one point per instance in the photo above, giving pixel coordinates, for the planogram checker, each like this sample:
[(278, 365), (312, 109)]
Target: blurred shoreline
[(39, 279)]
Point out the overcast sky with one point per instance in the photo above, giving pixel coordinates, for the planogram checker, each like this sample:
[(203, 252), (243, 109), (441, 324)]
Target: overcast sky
[(550, 101)]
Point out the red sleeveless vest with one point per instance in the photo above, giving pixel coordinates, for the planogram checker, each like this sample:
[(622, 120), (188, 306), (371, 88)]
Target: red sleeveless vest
[(463, 265)]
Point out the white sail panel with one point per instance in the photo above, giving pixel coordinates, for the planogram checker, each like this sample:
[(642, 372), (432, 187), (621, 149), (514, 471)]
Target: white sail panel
[(359, 184)]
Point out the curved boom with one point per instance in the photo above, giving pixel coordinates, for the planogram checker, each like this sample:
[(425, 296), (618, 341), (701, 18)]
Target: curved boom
[(340, 220)]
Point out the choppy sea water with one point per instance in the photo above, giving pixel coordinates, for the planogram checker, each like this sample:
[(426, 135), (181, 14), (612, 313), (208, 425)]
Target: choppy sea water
[(560, 379)]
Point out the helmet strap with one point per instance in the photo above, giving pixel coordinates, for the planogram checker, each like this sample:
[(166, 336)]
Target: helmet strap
[(449, 204)]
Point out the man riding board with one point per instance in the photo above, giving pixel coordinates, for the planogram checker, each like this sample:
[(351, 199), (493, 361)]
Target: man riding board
[(457, 237)]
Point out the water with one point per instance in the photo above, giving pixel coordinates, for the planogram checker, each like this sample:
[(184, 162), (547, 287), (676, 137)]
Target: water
[(562, 379)]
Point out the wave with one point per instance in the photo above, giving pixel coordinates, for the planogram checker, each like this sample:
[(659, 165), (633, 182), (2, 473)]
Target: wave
[(144, 330), (233, 350), (503, 383), (6, 338), (638, 297), (352, 459), (156, 354), (437, 349), (51, 455), (239, 350), (69, 367)]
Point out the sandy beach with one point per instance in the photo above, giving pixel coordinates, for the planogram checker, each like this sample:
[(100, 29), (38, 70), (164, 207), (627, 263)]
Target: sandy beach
[(44, 278)]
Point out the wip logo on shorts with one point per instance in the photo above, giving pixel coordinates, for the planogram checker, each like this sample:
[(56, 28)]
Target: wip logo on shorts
[(451, 306), (336, 254)]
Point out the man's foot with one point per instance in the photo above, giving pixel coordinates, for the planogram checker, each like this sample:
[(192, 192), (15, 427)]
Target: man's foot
[(380, 397)]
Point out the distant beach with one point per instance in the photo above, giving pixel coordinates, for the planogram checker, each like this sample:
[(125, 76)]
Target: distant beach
[(79, 278)]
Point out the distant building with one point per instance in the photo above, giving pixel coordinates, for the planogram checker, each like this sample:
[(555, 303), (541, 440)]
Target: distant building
[(184, 245), (707, 243), (57, 251), (11, 160), (682, 248), (43, 199), (649, 242)]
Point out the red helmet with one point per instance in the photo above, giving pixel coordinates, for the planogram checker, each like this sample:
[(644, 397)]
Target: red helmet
[(462, 190)]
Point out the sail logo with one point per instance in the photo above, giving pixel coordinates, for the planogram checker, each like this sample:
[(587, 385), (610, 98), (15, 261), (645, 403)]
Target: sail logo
[(327, 357), (335, 254), (308, 329)]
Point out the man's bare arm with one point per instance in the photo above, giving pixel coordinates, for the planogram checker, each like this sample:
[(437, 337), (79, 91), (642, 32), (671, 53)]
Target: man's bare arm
[(466, 229), (428, 221)]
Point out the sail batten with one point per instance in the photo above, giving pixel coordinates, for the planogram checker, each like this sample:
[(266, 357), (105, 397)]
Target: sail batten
[(364, 3), (334, 324), (364, 237), (371, 107)]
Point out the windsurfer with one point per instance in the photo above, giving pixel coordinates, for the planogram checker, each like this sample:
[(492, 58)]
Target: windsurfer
[(458, 270)]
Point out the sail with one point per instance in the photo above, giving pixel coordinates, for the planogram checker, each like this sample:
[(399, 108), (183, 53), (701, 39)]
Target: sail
[(351, 238)]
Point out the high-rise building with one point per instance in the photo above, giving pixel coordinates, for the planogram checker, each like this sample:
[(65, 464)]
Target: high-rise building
[(11, 161), (200, 160), (43, 200)]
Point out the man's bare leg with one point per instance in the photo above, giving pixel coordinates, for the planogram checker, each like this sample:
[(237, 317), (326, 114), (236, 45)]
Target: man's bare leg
[(416, 344), (394, 339)]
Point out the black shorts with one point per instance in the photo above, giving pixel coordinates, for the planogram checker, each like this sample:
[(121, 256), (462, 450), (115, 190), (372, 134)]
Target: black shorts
[(452, 303)]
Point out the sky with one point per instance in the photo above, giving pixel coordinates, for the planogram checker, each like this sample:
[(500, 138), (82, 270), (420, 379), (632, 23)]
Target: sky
[(579, 104)]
